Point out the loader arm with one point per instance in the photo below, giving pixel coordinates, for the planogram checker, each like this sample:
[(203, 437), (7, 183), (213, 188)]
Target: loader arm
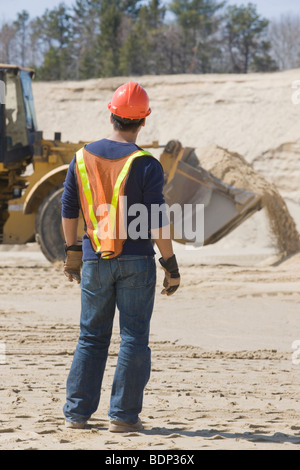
[(187, 183)]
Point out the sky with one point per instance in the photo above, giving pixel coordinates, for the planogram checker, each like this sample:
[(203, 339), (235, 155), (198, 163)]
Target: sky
[(267, 8), (271, 9)]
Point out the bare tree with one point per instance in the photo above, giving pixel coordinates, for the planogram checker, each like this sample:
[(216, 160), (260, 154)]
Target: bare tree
[(284, 35), (7, 43)]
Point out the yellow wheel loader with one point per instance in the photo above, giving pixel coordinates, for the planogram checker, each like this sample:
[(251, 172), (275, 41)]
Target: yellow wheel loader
[(32, 172)]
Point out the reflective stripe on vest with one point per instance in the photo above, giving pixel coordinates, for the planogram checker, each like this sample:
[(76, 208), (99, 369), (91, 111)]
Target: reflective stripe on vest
[(115, 196)]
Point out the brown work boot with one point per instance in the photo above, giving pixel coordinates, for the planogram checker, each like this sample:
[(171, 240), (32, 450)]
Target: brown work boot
[(121, 426), (75, 425)]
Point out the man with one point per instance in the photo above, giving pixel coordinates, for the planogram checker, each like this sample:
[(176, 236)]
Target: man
[(118, 270)]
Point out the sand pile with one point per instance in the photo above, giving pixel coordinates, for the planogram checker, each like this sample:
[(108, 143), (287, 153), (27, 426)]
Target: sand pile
[(250, 115), (281, 166), (292, 263), (234, 170)]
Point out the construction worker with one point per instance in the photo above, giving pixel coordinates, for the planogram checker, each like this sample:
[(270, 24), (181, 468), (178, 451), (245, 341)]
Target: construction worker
[(114, 270)]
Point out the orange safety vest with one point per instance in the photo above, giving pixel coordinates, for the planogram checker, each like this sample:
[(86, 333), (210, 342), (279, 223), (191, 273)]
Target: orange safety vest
[(101, 183)]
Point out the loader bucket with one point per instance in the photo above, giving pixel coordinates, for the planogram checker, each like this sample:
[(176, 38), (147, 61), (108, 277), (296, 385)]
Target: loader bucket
[(187, 183)]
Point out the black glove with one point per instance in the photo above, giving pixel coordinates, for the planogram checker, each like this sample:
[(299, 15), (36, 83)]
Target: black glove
[(172, 276)]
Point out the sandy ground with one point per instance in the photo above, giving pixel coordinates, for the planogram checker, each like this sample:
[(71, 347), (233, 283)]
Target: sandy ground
[(223, 375)]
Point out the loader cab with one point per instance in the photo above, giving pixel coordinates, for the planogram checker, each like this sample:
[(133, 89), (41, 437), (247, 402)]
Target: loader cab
[(17, 119)]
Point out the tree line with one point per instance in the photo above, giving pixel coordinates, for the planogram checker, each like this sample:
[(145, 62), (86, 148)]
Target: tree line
[(104, 38)]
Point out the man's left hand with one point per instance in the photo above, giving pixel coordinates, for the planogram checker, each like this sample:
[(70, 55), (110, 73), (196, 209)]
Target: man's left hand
[(73, 262)]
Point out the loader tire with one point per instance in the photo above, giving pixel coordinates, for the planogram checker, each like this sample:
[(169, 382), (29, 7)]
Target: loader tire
[(49, 232)]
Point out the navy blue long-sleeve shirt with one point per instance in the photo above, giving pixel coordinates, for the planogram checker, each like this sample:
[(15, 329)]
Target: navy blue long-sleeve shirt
[(144, 185)]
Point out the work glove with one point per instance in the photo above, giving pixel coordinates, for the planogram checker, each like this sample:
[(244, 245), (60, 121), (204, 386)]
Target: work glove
[(73, 262), (172, 276)]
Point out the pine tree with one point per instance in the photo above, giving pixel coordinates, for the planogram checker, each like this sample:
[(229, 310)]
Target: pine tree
[(22, 35), (116, 22), (198, 23), (142, 51), (55, 30), (108, 42), (245, 35), (86, 28), (105, 38)]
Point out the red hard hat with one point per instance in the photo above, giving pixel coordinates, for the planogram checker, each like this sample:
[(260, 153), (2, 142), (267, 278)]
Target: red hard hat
[(130, 101)]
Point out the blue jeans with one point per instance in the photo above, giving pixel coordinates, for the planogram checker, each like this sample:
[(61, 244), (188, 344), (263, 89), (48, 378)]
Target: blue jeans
[(128, 283)]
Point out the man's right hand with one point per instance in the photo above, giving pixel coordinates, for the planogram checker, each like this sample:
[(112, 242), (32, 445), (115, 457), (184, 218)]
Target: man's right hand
[(73, 262)]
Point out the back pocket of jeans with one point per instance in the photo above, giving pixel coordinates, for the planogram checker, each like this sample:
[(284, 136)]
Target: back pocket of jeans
[(90, 276), (135, 271)]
